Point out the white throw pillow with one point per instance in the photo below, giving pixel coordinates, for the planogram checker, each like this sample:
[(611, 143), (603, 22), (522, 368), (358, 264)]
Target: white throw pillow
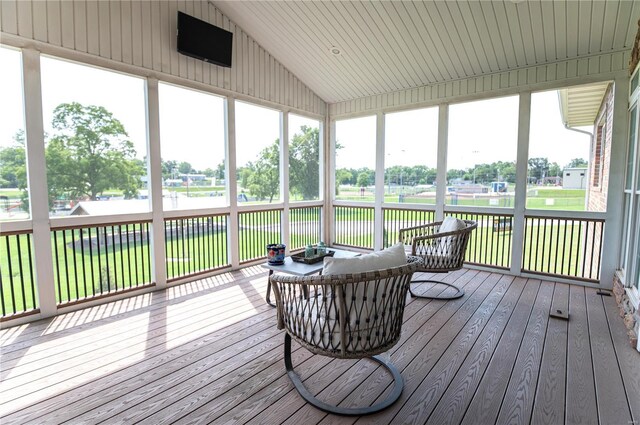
[(448, 246), (393, 256), (451, 224)]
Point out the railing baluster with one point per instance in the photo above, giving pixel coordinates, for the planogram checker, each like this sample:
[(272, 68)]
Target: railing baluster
[(21, 272), (10, 267), (33, 289), (93, 274)]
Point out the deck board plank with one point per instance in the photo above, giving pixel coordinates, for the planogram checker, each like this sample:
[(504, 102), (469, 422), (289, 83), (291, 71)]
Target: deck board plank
[(548, 406), (581, 394), (424, 359), (456, 399), (518, 400), (209, 351), (613, 407), (627, 357), (424, 399), (486, 402)]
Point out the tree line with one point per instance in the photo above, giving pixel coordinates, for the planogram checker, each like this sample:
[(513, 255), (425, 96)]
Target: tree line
[(505, 171), (90, 152)]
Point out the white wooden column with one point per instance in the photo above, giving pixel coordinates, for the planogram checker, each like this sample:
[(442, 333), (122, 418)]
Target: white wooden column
[(331, 189), (154, 167), (231, 182), (284, 177), (520, 199), (322, 177), (37, 180), (378, 224), (615, 191), (441, 167)]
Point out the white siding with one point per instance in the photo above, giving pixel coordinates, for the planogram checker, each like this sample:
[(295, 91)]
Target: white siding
[(569, 72), (143, 34)]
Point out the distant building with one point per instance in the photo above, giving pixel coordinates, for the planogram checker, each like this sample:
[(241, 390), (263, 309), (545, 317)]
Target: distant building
[(574, 178)]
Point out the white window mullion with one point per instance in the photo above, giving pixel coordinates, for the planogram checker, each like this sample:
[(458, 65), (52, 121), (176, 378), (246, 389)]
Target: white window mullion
[(379, 183), (520, 199), (157, 243), (284, 177), (331, 189), (232, 183), (37, 179), (441, 168)]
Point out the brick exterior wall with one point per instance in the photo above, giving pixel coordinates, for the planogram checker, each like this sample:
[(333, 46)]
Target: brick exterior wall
[(599, 158)]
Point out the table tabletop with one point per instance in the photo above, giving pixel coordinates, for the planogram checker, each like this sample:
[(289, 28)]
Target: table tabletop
[(303, 269)]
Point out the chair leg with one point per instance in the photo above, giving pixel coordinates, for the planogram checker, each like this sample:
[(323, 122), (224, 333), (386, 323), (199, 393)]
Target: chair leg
[(357, 411), (457, 295)]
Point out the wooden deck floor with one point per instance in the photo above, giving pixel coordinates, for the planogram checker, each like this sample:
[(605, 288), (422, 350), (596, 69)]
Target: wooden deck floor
[(209, 352)]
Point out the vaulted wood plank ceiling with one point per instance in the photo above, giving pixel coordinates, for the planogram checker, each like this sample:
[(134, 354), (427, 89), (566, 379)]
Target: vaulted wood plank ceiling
[(393, 45)]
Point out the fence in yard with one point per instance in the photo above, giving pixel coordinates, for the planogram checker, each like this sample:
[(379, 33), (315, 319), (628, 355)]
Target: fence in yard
[(553, 244), (354, 226), (91, 261), (17, 285), (565, 247), (195, 245), (490, 244), (256, 229), (395, 219), (304, 226)]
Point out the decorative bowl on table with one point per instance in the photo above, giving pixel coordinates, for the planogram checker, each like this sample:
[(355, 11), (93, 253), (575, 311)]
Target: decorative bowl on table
[(275, 253)]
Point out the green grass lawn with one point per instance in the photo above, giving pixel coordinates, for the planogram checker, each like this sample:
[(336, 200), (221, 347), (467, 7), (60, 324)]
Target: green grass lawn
[(83, 274)]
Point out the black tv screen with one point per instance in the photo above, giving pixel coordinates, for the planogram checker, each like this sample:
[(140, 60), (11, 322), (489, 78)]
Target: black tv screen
[(201, 40)]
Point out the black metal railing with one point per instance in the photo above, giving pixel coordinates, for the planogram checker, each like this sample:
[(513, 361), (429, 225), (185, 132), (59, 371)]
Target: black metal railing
[(90, 261), (490, 244), (305, 226), (395, 219), (195, 245), (563, 247), (256, 229), (17, 284), (354, 226)]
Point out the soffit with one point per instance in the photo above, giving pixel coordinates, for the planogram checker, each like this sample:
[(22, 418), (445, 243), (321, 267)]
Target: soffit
[(395, 45), (579, 105)]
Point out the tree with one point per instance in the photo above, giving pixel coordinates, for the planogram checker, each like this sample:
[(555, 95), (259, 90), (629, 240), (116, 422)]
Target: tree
[(554, 170), (90, 153), (220, 170), (13, 173), (264, 180), (343, 176), (304, 163), (13, 169), (577, 162), (185, 168), (363, 179), (538, 168), (168, 168)]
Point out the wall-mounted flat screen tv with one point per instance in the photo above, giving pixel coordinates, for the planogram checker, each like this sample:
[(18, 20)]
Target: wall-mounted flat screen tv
[(201, 40)]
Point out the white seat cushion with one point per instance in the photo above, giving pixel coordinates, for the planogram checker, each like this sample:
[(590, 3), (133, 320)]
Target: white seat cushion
[(391, 257)]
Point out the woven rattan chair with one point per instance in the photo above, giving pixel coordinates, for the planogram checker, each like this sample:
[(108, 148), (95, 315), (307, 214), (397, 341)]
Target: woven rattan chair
[(347, 316), (437, 252)]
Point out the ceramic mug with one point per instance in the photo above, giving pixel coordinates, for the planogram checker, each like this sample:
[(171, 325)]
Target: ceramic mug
[(275, 253)]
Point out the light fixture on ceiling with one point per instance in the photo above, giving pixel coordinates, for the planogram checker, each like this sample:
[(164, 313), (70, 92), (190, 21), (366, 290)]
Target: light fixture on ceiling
[(335, 51)]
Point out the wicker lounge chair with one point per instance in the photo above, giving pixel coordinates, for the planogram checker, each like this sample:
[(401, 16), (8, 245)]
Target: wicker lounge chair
[(438, 251), (347, 316)]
